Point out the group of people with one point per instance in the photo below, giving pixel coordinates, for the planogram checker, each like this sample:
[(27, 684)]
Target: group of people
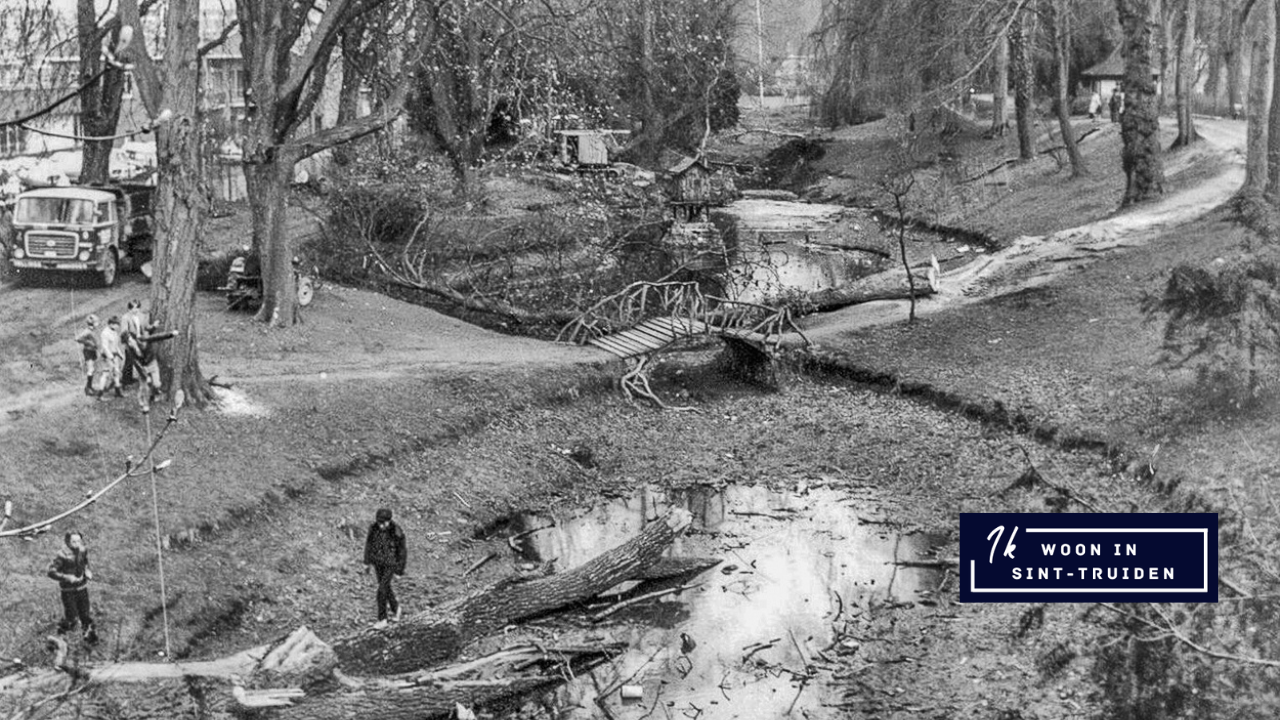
[(121, 352), (385, 553), (1115, 105)]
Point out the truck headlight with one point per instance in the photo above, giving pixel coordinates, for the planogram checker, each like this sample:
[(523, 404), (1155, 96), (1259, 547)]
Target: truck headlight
[(18, 253), (84, 255)]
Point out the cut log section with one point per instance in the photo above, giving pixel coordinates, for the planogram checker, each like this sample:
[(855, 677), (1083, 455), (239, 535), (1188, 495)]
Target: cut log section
[(883, 286)]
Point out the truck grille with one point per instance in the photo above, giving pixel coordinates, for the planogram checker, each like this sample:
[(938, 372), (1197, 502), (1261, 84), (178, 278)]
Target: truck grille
[(51, 245)]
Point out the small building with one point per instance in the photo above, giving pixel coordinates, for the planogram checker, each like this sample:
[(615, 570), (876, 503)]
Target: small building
[(1106, 75), (587, 148), (691, 189)]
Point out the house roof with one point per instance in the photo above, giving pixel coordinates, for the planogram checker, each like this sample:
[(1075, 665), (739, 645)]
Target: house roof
[(1112, 67), (687, 163)]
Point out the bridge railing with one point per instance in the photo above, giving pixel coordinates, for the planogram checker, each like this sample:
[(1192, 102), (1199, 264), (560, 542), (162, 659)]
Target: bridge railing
[(716, 315)]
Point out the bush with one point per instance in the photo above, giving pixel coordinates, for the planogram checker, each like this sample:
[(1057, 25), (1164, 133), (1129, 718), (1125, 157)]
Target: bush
[(1223, 320)]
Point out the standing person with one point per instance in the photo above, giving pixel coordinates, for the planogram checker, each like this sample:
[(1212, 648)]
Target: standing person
[(385, 551), (88, 339), (71, 569), (111, 356), (1095, 105), (146, 363), (1114, 104), (132, 323)]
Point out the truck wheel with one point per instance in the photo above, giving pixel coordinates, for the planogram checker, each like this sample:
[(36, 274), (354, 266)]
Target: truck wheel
[(108, 272), (306, 291)]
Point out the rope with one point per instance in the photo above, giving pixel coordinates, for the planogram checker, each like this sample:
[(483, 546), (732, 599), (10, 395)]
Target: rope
[(90, 138), (155, 514)]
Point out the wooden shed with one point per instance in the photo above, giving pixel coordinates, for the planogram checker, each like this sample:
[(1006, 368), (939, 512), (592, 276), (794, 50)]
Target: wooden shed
[(690, 189), (586, 148)]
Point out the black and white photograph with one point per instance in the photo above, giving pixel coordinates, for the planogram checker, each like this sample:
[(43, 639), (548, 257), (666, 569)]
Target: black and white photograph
[(639, 359)]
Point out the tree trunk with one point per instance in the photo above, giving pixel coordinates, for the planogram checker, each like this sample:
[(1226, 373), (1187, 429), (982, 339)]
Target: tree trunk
[(1218, 52), (1061, 61), (100, 102), (1140, 124), (1186, 75), (1163, 13), (1020, 63), (1273, 116), (180, 200), (429, 638), (267, 181), (888, 286), (1260, 88), (1000, 86), (349, 92)]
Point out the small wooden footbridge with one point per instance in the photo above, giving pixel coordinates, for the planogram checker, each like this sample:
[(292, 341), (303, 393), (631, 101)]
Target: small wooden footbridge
[(642, 320)]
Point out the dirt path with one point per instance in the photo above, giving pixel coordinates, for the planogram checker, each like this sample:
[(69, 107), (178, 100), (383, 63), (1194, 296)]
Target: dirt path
[(39, 360), (1034, 260)]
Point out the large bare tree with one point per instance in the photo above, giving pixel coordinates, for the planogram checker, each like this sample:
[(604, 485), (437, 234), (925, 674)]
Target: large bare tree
[(170, 87), (287, 49), (1140, 124)]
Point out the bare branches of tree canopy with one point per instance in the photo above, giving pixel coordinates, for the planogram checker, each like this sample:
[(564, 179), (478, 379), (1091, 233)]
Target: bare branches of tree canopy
[(903, 53)]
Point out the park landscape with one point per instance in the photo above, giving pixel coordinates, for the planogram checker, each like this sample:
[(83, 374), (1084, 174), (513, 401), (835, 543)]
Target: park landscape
[(802, 521)]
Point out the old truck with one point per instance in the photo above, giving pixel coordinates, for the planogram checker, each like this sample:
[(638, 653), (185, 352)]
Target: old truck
[(98, 229)]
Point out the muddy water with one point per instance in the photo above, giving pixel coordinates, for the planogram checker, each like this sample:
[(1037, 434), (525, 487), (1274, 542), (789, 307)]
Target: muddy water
[(792, 566), (771, 270)]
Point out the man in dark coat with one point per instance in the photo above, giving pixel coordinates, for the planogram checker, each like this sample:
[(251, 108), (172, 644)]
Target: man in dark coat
[(71, 569), (385, 551)]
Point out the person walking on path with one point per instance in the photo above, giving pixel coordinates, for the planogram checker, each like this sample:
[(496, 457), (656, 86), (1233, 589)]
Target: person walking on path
[(88, 339), (385, 552), (1095, 105), (71, 569), (1114, 104)]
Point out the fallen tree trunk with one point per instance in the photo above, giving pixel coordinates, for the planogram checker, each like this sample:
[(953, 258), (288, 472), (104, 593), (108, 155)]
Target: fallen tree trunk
[(885, 286), (329, 675), (503, 674), (429, 638)]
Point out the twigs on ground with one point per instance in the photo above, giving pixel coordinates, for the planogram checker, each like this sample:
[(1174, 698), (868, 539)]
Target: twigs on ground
[(639, 599), (480, 563)]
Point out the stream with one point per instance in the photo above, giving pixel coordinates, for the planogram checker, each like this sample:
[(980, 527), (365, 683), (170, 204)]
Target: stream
[(737, 642)]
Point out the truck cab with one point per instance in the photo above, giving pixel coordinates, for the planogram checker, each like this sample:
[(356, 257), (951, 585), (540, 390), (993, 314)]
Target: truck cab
[(83, 229)]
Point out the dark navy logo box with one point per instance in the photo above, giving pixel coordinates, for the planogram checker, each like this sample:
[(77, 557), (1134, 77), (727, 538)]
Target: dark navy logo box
[(1089, 557)]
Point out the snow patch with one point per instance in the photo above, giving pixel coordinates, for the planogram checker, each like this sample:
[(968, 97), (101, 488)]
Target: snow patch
[(234, 402)]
